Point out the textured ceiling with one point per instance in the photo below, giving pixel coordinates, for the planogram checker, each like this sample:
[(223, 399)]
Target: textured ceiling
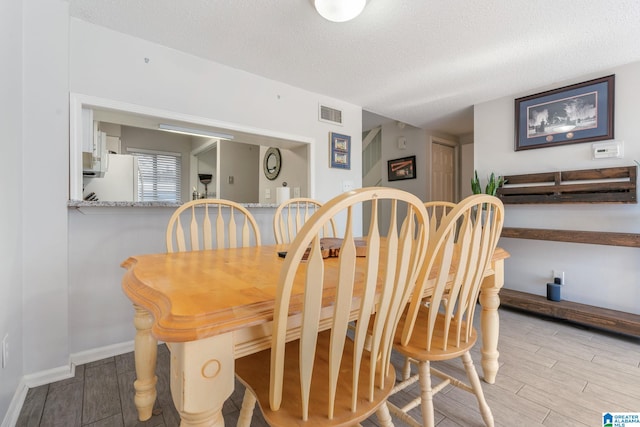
[(422, 62)]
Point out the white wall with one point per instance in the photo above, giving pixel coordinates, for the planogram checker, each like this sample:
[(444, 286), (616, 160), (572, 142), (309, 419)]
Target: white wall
[(597, 275), (174, 81), (61, 292), (466, 169), (99, 314), (11, 247), (45, 181)]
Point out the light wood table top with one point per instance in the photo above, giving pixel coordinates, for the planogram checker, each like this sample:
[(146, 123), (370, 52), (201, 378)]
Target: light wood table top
[(214, 306), (193, 295)]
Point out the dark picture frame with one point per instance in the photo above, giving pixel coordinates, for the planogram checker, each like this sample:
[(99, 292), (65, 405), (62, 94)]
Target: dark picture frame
[(403, 168), (339, 151), (582, 112)]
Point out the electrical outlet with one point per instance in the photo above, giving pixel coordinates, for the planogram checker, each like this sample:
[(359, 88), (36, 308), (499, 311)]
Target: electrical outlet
[(296, 192), (267, 193), (559, 274), (5, 351)]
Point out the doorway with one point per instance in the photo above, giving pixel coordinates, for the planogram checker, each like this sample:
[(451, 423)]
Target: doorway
[(443, 170)]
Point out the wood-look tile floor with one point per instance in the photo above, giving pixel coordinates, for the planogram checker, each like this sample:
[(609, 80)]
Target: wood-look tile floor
[(551, 374)]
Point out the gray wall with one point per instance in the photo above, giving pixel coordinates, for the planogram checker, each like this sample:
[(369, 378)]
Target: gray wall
[(242, 163), (294, 171)]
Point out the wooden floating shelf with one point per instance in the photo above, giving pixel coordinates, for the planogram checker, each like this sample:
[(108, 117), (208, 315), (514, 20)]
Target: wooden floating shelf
[(608, 185), (601, 318), (574, 236)]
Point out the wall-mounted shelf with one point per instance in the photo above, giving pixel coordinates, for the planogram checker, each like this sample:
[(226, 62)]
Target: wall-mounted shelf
[(597, 317), (607, 185), (630, 240), (618, 321)]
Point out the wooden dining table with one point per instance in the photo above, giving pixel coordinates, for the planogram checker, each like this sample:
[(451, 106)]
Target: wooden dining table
[(212, 307)]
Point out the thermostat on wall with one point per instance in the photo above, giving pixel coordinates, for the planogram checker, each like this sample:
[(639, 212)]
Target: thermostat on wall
[(607, 150)]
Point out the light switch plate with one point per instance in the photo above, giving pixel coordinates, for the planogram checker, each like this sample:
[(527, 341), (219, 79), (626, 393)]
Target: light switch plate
[(5, 351), (347, 186)]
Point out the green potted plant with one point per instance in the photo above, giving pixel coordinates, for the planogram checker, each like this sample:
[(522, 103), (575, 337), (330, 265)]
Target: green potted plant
[(492, 186)]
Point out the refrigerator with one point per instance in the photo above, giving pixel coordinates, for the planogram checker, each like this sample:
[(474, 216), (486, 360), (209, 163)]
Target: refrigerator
[(119, 183)]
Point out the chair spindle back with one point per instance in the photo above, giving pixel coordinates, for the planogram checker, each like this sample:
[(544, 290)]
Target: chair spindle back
[(211, 224), (390, 270)]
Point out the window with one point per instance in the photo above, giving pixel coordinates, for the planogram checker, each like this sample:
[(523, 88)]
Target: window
[(158, 175)]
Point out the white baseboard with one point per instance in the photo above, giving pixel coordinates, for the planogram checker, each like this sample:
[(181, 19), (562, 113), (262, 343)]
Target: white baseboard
[(60, 373), (49, 376), (100, 353), (13, 412)]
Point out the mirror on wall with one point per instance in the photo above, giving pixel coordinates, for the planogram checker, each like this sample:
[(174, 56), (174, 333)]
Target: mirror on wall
[(119, 153), (272, 163)]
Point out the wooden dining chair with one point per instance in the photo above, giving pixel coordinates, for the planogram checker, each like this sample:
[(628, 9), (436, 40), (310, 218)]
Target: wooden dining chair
[(457, 257), (437, 210), (327, 377), (291, 215), (211, 224)]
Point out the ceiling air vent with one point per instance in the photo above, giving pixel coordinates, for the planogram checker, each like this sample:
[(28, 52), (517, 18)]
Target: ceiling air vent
[(330, 115)]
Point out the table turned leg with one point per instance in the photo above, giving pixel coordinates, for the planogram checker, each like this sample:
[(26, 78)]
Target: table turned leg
[(145, 354), (202, 378), (490, 321)]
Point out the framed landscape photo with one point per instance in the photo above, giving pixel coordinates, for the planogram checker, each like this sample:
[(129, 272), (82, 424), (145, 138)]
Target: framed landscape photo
[(404, 168), (339, 151), (582, 112)]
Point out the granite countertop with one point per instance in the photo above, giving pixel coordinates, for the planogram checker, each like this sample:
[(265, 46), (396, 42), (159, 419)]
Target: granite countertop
[(84, 204)]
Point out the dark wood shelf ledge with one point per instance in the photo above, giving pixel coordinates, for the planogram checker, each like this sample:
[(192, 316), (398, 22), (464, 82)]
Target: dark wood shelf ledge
[(606, 185), (601, 318), (573, 236)]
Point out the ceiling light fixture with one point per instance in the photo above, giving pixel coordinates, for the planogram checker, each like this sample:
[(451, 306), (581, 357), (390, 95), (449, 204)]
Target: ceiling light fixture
[(339, 10), (193, 132)]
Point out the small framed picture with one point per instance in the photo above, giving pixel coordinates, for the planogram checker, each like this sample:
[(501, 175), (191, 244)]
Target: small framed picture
[(403, 168), (339, 151)]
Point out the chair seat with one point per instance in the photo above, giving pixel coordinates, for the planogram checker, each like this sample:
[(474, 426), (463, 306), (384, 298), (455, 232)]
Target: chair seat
[(253, 372), (416, 349)]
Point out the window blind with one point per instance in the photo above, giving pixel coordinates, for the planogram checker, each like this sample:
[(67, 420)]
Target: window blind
[(158, 176)]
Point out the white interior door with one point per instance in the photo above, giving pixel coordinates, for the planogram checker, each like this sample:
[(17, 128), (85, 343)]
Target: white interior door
[(443, 172)]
